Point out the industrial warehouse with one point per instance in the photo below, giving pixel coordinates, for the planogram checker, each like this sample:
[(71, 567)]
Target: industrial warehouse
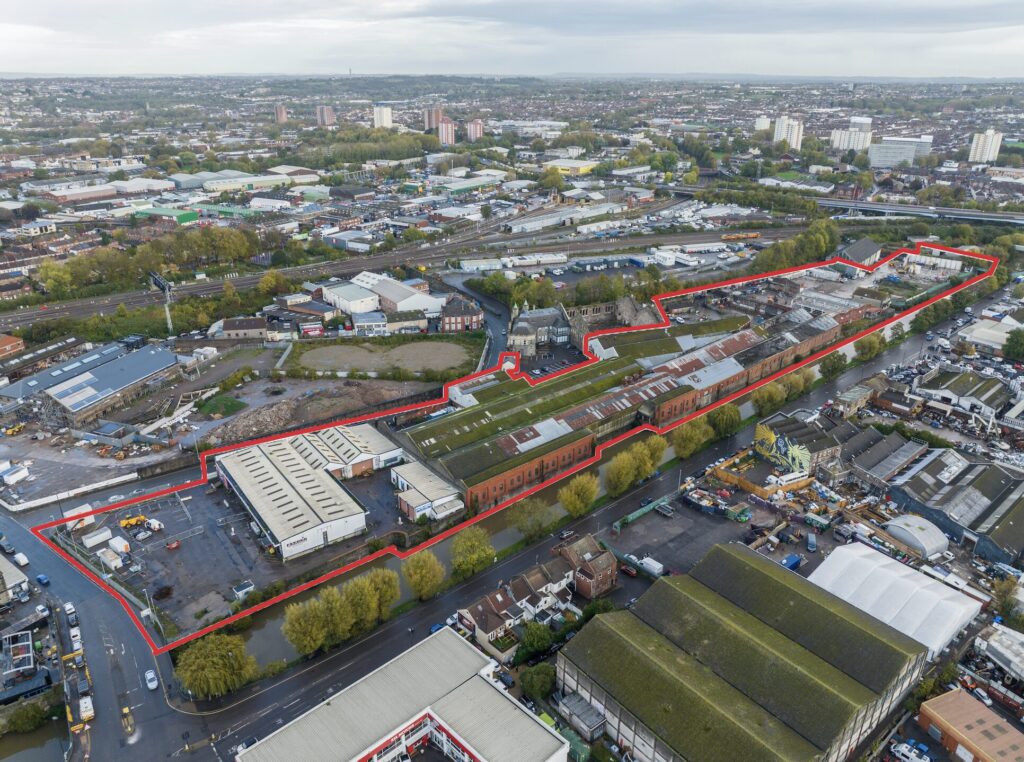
[(437, 697), (756, 660), (291, 486)]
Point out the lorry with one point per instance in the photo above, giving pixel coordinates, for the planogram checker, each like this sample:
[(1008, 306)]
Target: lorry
[(652, 567), (85, 710)]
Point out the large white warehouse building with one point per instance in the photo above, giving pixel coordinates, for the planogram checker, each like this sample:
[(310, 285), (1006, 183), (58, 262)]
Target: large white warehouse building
[(291, 488), (903, 598)]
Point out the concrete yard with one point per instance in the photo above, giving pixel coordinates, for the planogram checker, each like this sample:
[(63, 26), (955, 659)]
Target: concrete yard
[(418, 356)]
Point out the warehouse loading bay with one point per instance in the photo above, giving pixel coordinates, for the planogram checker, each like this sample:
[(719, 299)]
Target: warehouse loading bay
[(206, 549)]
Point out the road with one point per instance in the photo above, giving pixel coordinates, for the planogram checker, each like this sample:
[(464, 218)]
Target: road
[(103, 305), (914, 210)]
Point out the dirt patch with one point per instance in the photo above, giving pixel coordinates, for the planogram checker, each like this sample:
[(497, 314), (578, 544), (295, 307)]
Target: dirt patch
[(426, 355), (321, 402)]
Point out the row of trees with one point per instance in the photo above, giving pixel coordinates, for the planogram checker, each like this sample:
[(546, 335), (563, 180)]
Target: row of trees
[(187, 314), (337, 614), (110, 269), (692, 436), (816, 243), (772, 396), (594, 290), (634, 465)]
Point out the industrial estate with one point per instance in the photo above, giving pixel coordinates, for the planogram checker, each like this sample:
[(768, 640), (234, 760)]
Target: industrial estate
[(502, 419)]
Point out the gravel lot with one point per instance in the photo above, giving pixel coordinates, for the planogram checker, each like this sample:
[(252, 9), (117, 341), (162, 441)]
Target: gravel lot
[(427, 355)]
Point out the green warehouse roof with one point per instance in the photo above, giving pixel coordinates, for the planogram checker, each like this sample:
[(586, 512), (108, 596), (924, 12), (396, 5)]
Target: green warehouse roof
[(695, 712), (742, 659), (869, 651)]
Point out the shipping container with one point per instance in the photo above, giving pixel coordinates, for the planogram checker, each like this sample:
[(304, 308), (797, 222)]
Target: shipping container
[(97, 537)]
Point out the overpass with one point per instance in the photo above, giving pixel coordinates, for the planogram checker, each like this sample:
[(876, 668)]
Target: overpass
[(914, 210)]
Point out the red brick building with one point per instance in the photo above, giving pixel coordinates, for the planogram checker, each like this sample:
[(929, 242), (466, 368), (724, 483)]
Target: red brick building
[(595, 570), (460, 314), (524, 471), (10, 345)]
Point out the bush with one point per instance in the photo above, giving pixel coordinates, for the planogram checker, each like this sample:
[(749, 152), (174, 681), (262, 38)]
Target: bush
[(26, 718)]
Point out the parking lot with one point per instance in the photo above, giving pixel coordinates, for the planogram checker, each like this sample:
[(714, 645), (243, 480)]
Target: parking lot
[(206, 546), (678, 543)]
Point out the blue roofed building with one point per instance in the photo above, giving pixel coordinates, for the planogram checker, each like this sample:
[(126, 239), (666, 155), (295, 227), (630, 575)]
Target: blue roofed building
[(82, 397)]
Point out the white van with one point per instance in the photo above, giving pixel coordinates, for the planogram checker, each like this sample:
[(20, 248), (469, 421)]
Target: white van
[(21, 559)]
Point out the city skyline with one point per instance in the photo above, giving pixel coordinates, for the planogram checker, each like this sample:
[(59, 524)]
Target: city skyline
[(911, 39)]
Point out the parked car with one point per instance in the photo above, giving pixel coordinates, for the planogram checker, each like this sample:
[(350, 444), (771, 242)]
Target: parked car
[(42, 610), (628, 570), (43, 580), (982, 696), (435, 627), (565, 534)]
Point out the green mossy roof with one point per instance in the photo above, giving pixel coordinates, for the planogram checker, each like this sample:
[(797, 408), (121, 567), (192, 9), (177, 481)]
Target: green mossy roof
[(871, 652), (692, 710), (811, 696)]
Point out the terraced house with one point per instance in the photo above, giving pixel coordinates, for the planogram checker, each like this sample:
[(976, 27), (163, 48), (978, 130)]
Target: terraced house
[(741, 659)]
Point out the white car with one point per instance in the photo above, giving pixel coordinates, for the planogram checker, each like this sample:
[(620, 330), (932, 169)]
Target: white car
[(151, 680), (42, 610)]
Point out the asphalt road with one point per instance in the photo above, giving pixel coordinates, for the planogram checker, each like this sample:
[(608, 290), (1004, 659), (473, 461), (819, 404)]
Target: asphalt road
[(80, 308)]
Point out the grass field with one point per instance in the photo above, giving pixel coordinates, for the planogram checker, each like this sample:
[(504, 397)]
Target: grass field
[(222, 404)]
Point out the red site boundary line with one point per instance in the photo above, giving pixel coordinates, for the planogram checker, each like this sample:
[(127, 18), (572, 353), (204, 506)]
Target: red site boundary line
[(514, 373)]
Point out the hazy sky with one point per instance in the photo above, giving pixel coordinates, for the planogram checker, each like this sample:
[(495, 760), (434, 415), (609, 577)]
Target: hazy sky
[(919, 38)]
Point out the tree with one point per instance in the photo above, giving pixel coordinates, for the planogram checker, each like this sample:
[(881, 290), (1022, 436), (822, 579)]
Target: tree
[(644, 466), (1014, 347), (215, 665), (361, 597), (424, 574), (725, 420), (656, 446), (28, 717), (273, 283), (868, 347), (486, 211), (536, 638), (471, 552), (620, 474), (538, 681), (793, 384), (413, 233), (337, 614), (529, 516), (579, 494), (551, 179), (387, 589), (768, 398), (832, 365), (897, 332), (305, 626), (1004, 592), (691, 436)]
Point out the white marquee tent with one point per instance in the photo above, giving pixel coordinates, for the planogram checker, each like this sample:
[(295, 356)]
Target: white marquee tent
[(918, 606)]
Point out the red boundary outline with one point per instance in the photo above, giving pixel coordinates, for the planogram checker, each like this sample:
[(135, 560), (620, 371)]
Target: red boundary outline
[(513, 373)]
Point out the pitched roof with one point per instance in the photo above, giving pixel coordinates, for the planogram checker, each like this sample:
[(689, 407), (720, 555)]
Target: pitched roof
[(872, 653), (695, 712)]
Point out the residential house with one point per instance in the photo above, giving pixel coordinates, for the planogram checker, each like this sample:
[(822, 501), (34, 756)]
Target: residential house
[(461, 314), (595, 570)]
